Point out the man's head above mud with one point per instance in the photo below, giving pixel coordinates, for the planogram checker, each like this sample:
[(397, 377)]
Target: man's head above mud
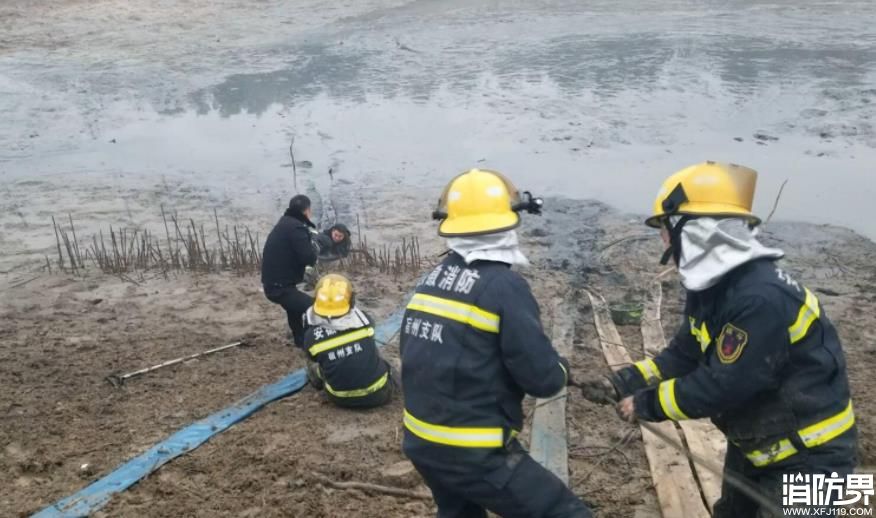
[(339, 233)]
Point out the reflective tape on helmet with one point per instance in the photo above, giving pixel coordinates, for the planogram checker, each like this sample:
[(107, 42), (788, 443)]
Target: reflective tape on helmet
[(813, 435), (666, 395), (649, 370), (370, 389), (809, 312), (333, 343), (455, 310), (462, 437)]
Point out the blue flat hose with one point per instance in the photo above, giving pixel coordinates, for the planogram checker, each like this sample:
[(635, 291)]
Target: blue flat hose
[(98, 494)]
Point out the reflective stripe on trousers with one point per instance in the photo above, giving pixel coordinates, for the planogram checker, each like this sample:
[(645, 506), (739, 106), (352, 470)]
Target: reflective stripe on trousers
[(463, 437), (814, 435), (370, 389)]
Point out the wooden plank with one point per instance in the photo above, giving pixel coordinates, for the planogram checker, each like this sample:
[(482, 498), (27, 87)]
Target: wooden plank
[(548, 442), (676, 486), (702, 437), (708, 442)]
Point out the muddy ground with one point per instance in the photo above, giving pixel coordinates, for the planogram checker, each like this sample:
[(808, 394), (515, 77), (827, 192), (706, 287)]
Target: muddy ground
[(112, 110), (62, 335)]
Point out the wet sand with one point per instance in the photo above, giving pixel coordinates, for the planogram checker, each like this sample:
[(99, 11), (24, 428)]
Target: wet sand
[(112, 110), (65, 334)]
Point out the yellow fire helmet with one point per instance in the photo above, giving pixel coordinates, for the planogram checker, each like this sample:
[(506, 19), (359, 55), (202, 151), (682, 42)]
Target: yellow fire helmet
[(707, 189), (334, 296), (480, 201)]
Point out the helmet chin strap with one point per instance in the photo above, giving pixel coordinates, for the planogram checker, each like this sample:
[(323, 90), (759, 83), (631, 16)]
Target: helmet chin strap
[(674, 249), (670, 206)]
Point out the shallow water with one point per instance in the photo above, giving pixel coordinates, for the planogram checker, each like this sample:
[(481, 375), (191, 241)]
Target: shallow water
[(598, 100)]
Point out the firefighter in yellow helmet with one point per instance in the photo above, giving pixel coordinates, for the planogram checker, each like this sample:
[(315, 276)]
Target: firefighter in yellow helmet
[(755, 351), (339, 343), (472, 346)]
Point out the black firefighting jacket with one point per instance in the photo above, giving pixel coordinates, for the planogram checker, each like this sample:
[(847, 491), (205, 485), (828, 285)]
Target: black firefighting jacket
[(757, 354), (349, 363), (471, 346)]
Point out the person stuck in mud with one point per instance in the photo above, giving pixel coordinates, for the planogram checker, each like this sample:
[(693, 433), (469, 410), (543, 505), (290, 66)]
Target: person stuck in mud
[(333, 243), (288, 251), (472, 345), (340, 349), (755, 350)]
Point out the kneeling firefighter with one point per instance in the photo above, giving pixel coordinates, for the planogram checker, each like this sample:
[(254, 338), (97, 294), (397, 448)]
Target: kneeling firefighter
[(472, 345), (755, 350), (339, 343)]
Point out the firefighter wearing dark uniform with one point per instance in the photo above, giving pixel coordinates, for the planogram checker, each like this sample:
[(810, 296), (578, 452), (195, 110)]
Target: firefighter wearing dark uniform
[(472, 346), (340, 344), (755, 352)]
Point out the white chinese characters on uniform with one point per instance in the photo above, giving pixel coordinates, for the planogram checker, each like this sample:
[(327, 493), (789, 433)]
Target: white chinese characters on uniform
[(425, 327), (318, 333), (788, 279), (433, 276), (466, 281), (436, 333), (449, 278)]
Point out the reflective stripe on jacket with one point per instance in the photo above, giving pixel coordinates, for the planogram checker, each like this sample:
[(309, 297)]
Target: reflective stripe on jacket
[(757, 354)]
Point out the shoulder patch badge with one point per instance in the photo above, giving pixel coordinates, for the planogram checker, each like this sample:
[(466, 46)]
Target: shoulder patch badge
[(730, 344)]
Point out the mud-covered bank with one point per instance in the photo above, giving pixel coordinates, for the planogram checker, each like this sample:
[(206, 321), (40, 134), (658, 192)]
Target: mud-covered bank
[(122, 102), (111, 111), (63, 335)]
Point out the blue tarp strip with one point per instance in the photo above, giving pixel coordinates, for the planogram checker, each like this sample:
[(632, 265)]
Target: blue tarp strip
[(98, 494)]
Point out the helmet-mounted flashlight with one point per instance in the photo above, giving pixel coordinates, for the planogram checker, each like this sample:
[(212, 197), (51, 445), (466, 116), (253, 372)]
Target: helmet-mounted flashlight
[(531, 204)]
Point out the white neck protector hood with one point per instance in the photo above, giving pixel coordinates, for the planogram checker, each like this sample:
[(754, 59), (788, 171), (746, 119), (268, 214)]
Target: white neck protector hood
[(352, 320), (501, 247), (711, 247)]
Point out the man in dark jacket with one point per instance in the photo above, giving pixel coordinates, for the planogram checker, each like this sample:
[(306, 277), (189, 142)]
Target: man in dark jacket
[(333, 243), (341, 350), (288, 251), (472, 346), (755, 351)]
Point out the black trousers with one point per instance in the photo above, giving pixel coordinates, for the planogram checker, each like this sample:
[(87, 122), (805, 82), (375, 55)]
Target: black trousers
[(295, 303), (512, 485), (735, 504)]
